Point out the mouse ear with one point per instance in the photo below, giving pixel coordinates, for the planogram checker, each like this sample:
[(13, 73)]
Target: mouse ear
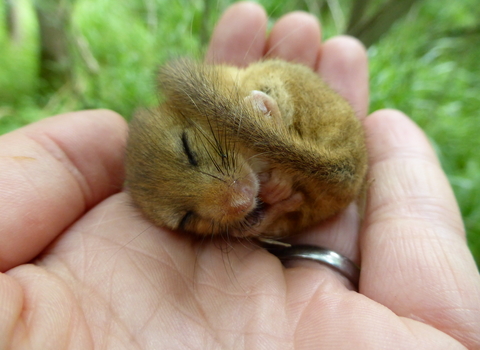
[(264, 103)]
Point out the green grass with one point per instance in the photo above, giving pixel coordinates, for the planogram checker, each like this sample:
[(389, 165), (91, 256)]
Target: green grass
[(419, 67), (434, 77)]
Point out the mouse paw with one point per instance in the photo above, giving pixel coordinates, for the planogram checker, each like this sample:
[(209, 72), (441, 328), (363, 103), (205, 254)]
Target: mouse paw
[(275, 186), (266, 104), (288, 205), (279, 209)]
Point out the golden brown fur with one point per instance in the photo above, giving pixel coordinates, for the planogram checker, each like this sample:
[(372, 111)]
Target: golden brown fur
[(263, 151)]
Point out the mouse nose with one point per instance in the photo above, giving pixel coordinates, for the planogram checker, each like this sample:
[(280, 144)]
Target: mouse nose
[(229, 200), (242, 197)]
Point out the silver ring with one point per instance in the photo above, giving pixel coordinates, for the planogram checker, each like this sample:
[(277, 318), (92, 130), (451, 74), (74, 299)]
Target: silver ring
[(324, 256)]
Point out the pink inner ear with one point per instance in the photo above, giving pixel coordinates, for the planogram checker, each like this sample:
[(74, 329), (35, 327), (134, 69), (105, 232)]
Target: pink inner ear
[(266, 104)]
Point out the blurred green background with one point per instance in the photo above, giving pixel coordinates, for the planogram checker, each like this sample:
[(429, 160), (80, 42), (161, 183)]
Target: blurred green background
[(425, 63)]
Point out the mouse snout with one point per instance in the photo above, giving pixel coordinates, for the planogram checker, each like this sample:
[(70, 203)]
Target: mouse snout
[(232, 199), (240, 198)]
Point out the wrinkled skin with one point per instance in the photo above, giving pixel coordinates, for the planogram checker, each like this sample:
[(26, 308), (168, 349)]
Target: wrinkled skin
[(83, 270)]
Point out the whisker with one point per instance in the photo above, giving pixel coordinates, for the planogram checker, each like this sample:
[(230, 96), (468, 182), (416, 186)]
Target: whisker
[(260, 31), (267, 54)]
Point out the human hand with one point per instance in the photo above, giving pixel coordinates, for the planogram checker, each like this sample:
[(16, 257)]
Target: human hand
[(84, 270)]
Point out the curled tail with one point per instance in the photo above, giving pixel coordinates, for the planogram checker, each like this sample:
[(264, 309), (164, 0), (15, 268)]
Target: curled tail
[(210, 95)]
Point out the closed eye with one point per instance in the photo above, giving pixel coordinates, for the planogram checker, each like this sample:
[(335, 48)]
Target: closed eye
[(185, 220), (188, 151)]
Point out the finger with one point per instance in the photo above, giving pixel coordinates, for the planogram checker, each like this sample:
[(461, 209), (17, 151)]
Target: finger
[(239, 37), (348, 319), (295, 37), (414, 257), (343, 65), (52, 172), (339, 234)]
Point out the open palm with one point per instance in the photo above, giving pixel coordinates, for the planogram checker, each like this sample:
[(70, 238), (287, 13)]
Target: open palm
[(84, 270)]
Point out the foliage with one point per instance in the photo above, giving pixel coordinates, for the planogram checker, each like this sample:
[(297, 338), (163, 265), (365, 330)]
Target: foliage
[(424, 66), (435, 79)]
